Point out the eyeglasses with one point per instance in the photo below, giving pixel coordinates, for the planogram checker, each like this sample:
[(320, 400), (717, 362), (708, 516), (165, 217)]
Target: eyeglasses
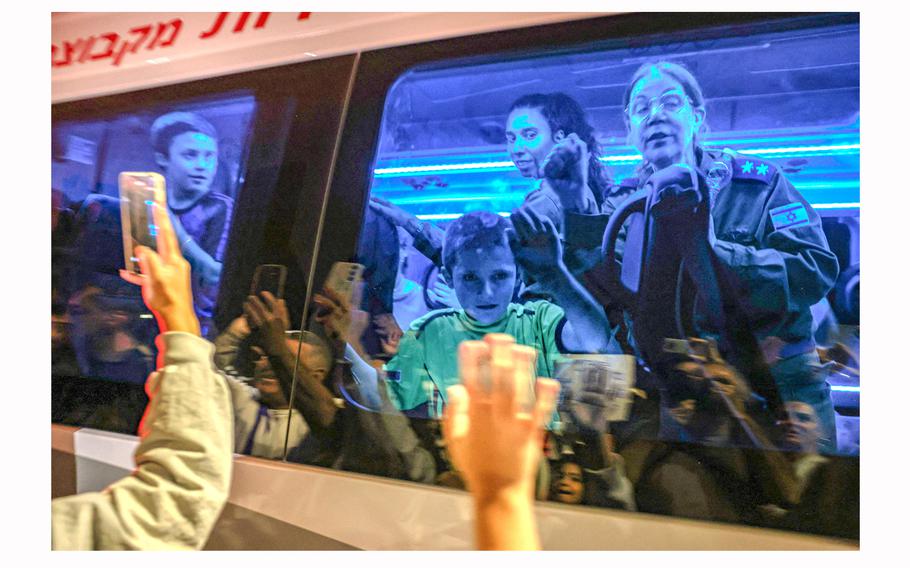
[(641, 108)]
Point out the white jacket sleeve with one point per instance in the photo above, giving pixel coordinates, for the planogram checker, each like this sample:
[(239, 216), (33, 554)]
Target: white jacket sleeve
[(183, 463)]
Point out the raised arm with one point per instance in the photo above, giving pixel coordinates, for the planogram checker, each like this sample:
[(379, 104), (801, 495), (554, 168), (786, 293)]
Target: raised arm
[(345, 326), (496, 443), (538, 251), (227, 344), (183, 461), (428, 238), (268, 318)]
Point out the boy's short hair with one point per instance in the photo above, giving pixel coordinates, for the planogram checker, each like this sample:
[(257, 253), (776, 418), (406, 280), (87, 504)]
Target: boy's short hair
[(172, 124), (474, 230)]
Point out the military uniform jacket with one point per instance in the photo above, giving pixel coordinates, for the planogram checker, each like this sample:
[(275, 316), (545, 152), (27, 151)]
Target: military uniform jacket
[(771, 239)]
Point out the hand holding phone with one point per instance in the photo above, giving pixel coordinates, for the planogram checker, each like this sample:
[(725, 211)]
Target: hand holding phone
[(338, 305), (139, 192), (269, 278), (344, 281), (165, 278)]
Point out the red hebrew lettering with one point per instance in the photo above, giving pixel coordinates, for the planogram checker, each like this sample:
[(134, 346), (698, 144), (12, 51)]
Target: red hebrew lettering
[(175, 25), (54, 62), (260, 22), (121, 51), (133, 46), (81, 49), (144, 32), (244, 16), (216, 27), (87, 46), (111, 40), (88, 50), (70, 48)]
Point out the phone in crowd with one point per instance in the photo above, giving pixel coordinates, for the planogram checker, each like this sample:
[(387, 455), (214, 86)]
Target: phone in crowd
[(269, 278), (344, 279), (139, 191)]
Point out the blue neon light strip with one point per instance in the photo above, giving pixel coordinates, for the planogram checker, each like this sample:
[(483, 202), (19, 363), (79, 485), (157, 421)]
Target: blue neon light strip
[(835, 205), (844, 389), (474, 167), (511, 196), (453, 168), (519, 196), (851, 205), (450, 216), (832, 148)]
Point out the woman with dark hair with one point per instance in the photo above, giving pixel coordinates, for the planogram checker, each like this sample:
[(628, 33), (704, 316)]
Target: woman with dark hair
[(548, 138), (554, 126), (765, 234)]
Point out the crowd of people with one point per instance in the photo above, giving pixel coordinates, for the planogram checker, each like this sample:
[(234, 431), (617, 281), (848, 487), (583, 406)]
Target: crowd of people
[(183, 461), (730, 416)]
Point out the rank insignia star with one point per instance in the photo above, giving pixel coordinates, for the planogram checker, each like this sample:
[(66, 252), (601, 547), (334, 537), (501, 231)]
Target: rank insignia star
[(747, 168), (762, 169)]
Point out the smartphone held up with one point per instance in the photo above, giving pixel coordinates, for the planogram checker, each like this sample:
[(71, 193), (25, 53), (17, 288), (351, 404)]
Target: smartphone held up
[(344, 280), (269, 278), (139, 192)]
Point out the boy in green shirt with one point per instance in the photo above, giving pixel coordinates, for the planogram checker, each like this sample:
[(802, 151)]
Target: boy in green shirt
[(480, 255)]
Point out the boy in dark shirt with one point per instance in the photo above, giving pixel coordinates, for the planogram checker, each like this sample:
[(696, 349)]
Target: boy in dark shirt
[(186, 149)]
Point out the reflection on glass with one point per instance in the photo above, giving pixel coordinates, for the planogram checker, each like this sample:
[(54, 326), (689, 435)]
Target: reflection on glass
[(102, 329), (186, 151), (735, 203), (261, 408)]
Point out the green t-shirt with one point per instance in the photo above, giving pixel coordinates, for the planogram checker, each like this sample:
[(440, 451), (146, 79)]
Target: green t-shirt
[(427, 360)]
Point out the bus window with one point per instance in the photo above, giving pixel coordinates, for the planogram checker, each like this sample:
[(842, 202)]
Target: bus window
[(102, 329), (672, 226)]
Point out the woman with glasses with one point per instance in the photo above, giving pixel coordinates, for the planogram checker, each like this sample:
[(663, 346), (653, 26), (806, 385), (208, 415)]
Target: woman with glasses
[(759, 227)]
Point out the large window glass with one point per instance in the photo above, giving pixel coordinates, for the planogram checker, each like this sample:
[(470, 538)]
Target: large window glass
[(101, 328), (674, 227), (246, 172)]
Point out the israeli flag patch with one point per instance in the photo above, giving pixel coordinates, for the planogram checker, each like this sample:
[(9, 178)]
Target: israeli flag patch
[(789, 216)]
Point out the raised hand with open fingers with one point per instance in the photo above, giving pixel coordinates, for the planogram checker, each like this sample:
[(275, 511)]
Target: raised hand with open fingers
[(495, 440), (537, 248)]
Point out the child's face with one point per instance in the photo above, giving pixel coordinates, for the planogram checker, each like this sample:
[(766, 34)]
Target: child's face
[(570, 487), (191, 166), (484, 280)]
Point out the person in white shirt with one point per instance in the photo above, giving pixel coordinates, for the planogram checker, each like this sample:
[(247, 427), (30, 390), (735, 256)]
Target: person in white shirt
[(183, 461)]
